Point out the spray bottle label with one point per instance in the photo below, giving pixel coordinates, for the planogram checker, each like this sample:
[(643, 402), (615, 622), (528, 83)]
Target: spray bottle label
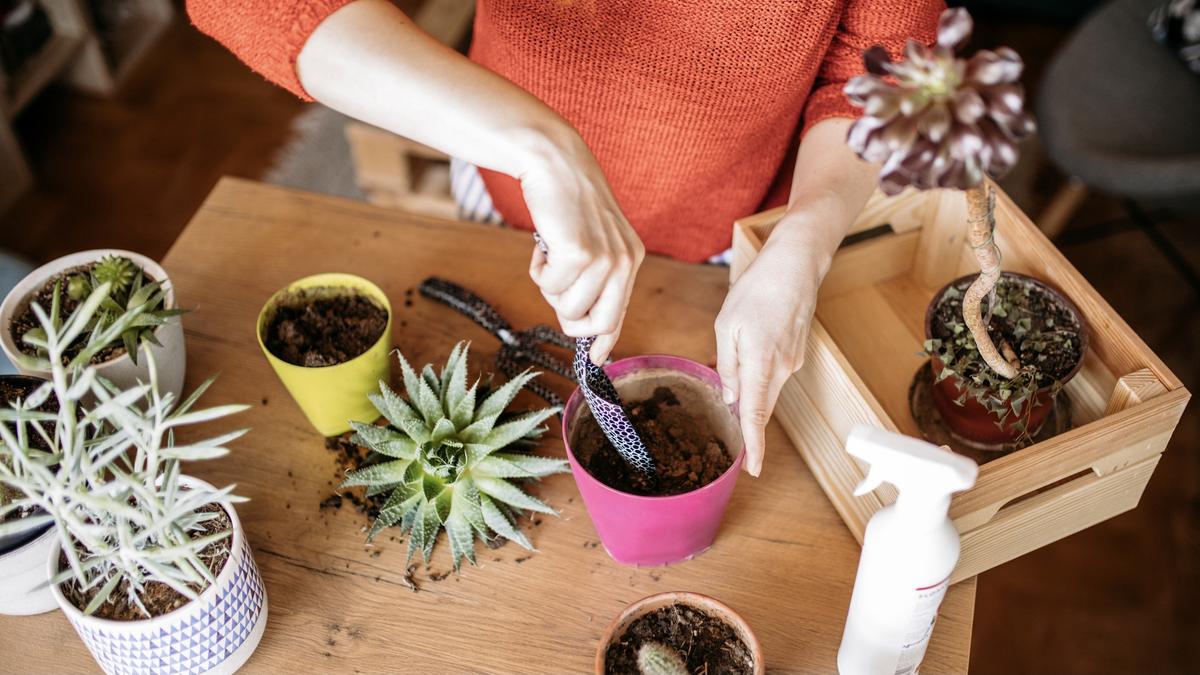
[(920, 626)]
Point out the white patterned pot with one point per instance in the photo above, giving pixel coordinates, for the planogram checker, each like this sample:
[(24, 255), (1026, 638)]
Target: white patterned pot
[(211, 635), (121, 371), (23, 587)]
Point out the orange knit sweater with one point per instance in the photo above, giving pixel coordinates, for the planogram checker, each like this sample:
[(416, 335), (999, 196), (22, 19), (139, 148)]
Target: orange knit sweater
[(694, 108)]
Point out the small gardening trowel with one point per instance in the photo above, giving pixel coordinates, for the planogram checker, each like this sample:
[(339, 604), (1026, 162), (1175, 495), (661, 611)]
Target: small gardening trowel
[(605, 403)]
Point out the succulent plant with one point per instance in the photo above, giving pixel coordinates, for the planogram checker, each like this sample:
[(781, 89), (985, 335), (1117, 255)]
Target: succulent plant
[(938, 121), (447, 461), (109, 481), (130, 291), (655, 658)]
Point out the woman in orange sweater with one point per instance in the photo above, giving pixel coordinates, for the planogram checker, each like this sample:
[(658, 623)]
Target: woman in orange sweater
[(620, 126)]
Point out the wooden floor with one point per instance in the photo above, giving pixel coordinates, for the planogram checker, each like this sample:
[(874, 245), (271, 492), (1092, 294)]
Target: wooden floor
[(1122, 597)]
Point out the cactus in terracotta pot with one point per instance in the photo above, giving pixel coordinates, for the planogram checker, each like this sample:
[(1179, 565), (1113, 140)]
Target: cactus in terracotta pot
[(655, 658)]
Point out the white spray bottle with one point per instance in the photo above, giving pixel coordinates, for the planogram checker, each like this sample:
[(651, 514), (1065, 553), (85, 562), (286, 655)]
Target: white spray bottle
[(909, 550)]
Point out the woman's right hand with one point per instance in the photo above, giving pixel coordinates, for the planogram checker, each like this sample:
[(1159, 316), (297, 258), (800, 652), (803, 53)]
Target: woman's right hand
[(593, 254), (370, 61)]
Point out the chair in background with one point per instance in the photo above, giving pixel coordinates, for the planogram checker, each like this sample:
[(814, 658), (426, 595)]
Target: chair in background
[(1120, 113)]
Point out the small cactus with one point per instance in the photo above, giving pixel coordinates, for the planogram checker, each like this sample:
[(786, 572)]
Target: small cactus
[(655, 658)]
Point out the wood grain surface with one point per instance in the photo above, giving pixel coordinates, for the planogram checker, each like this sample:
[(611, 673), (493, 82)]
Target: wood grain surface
[(783, 558)]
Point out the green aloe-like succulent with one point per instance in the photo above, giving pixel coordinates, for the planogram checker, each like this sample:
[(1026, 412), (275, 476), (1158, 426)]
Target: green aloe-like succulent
[(448, 461)]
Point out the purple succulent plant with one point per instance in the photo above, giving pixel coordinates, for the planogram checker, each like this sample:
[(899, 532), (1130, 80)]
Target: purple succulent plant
[(936, 120)]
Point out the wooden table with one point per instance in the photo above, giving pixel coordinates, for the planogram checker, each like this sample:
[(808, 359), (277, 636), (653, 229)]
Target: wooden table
[(783, 558)]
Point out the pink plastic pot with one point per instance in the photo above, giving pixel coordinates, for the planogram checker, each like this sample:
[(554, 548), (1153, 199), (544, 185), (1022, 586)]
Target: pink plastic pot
[(637, 530)]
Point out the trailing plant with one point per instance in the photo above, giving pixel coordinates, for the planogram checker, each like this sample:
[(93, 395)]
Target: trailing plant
[(108, 477), (938, 121), (448, 461), (130, 292), (1045, 342), (655, 658)]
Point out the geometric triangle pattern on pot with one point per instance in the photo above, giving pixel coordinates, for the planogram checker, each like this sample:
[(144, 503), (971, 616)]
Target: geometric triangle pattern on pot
[(194, 638)]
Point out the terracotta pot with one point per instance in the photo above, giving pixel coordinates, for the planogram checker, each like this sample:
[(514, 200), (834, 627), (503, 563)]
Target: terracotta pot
[(170, 357), (640, 530), (704, 603), (212, 635), (972, 421)]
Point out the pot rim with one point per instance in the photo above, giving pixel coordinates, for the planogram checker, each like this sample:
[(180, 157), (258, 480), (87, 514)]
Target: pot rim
[(76, 615), (48, 530), (576, 400), (639, 608), (33, 282), (1085, 328), (334, 279)]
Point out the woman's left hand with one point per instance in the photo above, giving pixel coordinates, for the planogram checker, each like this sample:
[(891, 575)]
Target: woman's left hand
[(762, 330)]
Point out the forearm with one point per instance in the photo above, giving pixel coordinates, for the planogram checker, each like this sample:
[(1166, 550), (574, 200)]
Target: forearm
[(369, 61), (830, 185)]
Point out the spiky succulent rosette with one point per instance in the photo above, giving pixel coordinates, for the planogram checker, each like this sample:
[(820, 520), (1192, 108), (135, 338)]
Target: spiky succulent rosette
[(447, 463), (936, 120)]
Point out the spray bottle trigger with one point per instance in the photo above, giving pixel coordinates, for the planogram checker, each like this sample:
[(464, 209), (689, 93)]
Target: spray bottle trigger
[(872, 481)]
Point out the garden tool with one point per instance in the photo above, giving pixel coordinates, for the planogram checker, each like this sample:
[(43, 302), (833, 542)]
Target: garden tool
[(605, 403)]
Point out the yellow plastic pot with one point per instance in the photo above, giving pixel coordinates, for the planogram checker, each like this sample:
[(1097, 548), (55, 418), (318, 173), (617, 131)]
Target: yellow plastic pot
[(333, 396)]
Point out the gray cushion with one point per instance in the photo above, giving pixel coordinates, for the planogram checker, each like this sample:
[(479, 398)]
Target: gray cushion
[(1120, 111)]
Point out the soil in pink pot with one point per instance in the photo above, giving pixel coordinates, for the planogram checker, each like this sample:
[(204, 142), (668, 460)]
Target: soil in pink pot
[(687, 451)]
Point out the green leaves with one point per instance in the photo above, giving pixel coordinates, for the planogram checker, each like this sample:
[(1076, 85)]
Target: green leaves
[(111, 480), (444, 463)]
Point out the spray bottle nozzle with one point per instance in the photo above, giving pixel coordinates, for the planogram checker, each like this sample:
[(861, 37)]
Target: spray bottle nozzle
[(912, 465)]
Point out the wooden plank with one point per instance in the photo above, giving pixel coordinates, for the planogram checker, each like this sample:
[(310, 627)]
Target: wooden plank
[(869, 262), (942, 238), (1141, 430), (337, 605), (1050, 516)]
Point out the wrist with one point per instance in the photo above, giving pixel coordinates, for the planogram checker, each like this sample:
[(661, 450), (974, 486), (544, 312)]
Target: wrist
[(807, 238), (547, 146)]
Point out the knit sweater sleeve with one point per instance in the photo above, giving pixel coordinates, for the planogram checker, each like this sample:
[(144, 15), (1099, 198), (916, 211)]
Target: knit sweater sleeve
[(865, 23), (266, 35)]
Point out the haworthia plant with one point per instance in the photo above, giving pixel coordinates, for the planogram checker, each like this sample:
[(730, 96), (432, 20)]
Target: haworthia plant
[(447, 461), (655, 658), (110, 481), (132, 298)]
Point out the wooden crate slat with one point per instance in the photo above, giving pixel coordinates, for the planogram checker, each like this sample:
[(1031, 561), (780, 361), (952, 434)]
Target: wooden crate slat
[(1050, 516), (1076, 450), (869, 321)]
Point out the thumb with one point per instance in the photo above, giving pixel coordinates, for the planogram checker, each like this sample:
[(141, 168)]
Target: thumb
[(727, 365)]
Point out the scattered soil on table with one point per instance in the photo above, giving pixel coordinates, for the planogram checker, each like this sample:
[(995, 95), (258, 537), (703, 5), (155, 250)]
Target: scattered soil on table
[(11, 390), (688, 453), (26, 320), (313, 328), (1050, 341), (158, 598), (348, 457), (705, 642)]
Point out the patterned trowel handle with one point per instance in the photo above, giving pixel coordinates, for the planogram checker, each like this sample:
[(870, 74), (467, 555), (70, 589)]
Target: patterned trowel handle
[(606, 406)]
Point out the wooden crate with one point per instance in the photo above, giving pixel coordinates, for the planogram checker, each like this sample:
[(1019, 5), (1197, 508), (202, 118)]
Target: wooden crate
[(864, 349)]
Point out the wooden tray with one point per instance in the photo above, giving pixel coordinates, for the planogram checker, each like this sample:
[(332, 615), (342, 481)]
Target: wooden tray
[(865, 347)]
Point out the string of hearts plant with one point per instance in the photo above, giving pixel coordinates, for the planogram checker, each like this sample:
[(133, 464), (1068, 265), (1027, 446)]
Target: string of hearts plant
[(108, 474)]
